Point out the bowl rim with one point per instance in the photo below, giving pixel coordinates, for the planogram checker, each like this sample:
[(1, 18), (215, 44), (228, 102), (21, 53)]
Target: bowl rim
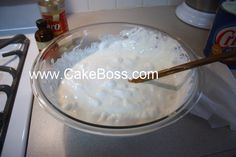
[(185, 108)]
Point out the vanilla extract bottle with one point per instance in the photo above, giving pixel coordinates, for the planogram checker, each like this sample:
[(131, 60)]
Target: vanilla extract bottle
[(43, 35)]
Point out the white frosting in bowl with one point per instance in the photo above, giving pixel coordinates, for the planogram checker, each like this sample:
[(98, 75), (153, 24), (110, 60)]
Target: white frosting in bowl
[(116, 102)]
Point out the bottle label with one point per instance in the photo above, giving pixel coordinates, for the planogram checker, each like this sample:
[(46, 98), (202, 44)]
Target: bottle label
[(57, 22), (222, 37), (227, 37)]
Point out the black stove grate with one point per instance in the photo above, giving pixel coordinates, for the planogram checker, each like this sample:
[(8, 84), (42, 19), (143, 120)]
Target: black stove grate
[(16, 74)]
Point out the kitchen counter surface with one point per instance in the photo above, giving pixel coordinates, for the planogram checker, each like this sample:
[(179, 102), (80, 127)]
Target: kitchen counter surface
[(190, 136), (163, 18)]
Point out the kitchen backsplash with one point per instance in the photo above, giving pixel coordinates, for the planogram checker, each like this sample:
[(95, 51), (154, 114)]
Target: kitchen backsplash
[(73, 6)]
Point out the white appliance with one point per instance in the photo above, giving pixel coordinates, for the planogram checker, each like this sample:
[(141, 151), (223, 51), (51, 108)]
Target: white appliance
[(14, 143), (194, 17)]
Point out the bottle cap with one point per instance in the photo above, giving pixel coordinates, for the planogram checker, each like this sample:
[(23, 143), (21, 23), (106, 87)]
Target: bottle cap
[(41, 23)]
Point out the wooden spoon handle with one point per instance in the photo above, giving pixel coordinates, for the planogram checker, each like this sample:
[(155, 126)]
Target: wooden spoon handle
[(185, 66)]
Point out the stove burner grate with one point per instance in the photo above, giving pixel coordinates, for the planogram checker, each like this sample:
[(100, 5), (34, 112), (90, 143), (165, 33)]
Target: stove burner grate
[(11, 90)]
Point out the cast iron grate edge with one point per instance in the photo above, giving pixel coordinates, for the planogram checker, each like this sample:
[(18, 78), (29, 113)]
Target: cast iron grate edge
[(16, 74)]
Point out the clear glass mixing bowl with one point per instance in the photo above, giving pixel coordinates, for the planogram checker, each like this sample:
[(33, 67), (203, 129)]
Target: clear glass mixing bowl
[(45, 89)]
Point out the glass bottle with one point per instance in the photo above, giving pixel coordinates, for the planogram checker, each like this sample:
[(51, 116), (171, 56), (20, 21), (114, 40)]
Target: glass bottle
[(54, 12), (43, 35)]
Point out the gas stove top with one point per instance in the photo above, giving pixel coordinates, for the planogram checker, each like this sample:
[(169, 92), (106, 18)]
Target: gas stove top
[(17, 54), (13, 53)]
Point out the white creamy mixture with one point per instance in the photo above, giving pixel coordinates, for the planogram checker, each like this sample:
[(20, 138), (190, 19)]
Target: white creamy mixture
[(118, 102)]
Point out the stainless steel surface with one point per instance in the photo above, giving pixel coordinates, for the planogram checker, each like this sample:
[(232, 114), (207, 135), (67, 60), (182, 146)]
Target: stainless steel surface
[(190, 136), (18, 19), (203, 5)]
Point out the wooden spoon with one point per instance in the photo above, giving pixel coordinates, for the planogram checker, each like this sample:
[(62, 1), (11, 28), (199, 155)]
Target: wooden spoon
[(185, 66)]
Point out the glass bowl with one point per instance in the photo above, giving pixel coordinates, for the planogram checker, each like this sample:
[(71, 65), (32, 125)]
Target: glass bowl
[(45, 89)]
